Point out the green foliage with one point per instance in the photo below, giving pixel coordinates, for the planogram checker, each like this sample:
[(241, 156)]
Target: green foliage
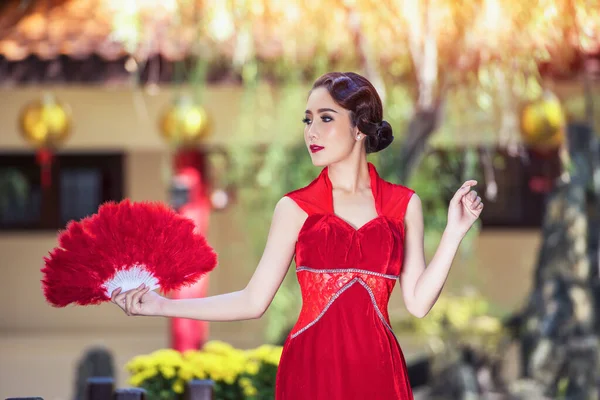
[(263, 382), (457, 322)]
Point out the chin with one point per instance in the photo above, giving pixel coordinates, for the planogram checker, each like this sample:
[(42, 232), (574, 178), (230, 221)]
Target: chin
[(322, 159), (318, 160)]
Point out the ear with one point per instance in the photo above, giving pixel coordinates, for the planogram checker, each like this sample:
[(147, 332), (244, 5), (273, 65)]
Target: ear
[(358, 135)]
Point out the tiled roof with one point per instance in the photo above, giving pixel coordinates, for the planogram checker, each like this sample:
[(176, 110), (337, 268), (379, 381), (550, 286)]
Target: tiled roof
[(77, 29)]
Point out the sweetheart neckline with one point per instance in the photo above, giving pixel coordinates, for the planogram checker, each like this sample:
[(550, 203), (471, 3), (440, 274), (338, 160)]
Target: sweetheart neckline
[(352, 227), (343, 221)]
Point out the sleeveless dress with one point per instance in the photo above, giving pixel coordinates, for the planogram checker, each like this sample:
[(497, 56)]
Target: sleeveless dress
[(343, 346)]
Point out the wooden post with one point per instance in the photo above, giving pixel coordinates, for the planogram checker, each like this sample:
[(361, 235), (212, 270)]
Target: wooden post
[(99, 388), (199, 390), (130, 394)]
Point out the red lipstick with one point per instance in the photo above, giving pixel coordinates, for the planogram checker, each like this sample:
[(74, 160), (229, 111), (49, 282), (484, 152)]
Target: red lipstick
[(314, 148)]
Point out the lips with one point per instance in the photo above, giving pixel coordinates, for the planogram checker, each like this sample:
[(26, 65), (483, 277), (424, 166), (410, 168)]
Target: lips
[(314, 148)]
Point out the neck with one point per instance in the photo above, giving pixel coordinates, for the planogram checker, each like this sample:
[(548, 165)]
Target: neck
[(350, 176)]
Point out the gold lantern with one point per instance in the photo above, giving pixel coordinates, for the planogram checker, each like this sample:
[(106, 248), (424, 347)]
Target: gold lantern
[(45, 124), (543, 123), (185, 123)]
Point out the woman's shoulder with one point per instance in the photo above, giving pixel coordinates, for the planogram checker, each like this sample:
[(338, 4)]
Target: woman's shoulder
[(396, 189), (311, 188), (310, 198), (395, 198)]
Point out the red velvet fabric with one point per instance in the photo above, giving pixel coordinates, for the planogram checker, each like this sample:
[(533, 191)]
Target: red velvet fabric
[(342, 346)]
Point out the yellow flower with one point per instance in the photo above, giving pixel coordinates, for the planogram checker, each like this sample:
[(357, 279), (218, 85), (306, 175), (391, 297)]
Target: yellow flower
[(262, 351), (487, 324), (252, 367), (168, 357), (200, 374), (229, 379), (247, 387), (137, 379), (273, 358), (267, 353), (250, 391), (186, 372), (459, 314), (167, 371), (244, 382), (138, 363), (149, 373), (218, 347), (178, 386)]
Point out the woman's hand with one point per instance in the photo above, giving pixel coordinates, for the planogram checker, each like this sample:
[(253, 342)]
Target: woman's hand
[(140, 301), (465, 207)]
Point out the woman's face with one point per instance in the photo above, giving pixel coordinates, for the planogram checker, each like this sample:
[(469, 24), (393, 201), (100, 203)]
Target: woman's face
[(328, 132)]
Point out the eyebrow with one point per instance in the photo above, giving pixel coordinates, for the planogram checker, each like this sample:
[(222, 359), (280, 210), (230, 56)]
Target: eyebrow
[(321, 110)]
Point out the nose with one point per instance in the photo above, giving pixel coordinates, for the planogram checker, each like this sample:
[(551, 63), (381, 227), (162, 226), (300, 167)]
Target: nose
[(312, 133)]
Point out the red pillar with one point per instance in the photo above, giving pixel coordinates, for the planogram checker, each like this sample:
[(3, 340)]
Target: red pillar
[(192, 200)]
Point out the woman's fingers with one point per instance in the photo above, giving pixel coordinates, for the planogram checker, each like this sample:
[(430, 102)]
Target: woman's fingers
[(120, 299), (113, 296), (462, 191), (137, 300), (130, 300)]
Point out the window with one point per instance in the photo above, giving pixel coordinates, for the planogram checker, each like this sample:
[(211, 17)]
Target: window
[(516, 205), (80, 184)]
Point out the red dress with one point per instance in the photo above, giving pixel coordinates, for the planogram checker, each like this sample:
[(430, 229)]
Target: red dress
[(342, 346)]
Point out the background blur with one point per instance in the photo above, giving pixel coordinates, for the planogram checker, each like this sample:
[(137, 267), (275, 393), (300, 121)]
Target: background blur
[(487, 89)]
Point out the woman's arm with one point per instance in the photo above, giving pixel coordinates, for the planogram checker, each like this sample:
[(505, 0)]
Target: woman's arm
[(248, 303), (421, 285)]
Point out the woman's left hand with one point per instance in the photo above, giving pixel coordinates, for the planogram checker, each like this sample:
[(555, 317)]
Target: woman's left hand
[(465, 207)]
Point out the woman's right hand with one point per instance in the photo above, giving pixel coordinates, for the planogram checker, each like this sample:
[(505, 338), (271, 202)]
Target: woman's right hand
[(139, 301)]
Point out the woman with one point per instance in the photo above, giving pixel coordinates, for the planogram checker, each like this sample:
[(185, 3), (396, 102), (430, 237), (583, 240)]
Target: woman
[(353, 235)]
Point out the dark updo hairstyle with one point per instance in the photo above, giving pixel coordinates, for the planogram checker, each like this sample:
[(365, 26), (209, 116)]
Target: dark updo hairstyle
[(357, 95)]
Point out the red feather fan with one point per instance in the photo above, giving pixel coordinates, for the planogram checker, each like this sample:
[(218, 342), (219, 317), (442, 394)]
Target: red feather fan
[(124, 245)]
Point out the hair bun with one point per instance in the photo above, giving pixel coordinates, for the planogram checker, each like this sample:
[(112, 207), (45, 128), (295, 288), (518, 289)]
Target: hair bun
[(381, 138)]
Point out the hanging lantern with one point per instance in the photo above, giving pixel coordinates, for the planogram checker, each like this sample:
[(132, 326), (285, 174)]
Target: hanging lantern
[(543, 124), (45, 124), (185, 123)]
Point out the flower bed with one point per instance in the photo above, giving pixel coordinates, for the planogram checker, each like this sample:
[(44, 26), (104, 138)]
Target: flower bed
[(237, 374)]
